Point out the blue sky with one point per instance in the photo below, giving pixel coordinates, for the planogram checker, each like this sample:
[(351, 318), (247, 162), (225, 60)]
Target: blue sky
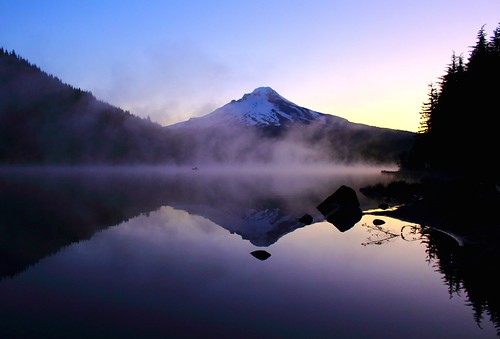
[(367, 61)]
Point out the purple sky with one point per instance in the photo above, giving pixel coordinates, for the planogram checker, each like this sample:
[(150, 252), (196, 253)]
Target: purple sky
[(367, 61)]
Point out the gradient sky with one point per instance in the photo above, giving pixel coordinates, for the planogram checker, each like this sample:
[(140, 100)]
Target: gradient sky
[(367, 61)]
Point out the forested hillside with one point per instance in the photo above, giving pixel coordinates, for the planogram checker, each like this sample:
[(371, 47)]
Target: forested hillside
[(44, 121), (459, 125)]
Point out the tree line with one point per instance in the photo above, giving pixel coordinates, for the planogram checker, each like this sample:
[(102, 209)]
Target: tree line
[(458, 130), (45, 121)]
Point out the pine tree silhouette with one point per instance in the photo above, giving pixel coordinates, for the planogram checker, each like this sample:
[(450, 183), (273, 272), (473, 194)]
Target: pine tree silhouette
[(458, 120)]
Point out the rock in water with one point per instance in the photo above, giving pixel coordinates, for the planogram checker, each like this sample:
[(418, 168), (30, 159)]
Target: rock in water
[(306, 219), (341, 208)]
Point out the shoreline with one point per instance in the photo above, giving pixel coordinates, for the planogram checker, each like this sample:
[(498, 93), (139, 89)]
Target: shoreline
[(461, 207)]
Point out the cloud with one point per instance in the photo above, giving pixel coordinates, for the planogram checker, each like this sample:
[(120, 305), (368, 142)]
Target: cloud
[(169, 83)]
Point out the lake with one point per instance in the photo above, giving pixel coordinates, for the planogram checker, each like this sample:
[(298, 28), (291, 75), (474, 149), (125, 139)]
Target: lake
[(176, 253)]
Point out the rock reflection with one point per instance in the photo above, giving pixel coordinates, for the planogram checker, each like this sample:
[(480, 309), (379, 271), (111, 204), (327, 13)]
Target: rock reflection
[(261, 254), (341, 208), (44, 210)]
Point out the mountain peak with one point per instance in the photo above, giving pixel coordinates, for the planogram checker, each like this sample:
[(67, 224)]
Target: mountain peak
[(264, 94), (263, 107), (264, 91)]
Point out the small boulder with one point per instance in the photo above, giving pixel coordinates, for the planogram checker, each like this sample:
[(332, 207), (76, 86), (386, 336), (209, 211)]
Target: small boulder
[(341, 208), (306, 219)]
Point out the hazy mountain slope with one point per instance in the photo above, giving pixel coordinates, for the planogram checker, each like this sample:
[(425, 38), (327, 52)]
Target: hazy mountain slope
[(263, 107), (264, 127), (43, 120)]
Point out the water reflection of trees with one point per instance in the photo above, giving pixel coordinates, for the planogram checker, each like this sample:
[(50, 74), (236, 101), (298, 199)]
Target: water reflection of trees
[(466, 270), (470, 270), (43, 210)]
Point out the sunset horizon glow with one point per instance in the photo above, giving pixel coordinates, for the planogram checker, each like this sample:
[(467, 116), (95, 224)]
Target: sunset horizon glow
[(369, 62)]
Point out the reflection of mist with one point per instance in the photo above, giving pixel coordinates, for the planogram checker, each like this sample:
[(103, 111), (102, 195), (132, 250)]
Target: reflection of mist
[(178, 221), (44, 209), (173, 266)]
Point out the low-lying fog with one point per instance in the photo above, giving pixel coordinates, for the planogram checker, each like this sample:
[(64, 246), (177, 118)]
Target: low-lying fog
[(210, 168)]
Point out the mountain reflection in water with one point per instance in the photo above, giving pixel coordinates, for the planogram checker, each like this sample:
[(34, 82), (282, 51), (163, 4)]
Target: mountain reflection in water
[(42, 212)]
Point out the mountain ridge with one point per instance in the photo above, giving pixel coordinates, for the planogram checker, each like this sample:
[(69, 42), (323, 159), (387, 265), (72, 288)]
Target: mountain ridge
[(263, 107), (44, 121)]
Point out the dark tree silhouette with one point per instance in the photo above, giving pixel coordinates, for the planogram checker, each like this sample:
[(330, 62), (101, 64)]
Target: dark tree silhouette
[(427, 109), (44, 121), (457, 131)]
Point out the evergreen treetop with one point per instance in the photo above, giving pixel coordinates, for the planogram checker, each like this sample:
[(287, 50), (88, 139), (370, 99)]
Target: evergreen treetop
[(458, 120)]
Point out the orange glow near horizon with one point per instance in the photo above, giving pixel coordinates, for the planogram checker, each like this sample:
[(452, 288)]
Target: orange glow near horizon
[(369, 62)]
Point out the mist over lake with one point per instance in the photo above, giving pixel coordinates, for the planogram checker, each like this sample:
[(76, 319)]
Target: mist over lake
[(158, 252), (237, 170)]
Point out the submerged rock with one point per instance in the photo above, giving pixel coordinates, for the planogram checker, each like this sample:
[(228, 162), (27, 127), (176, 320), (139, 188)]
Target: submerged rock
[(341, 208)]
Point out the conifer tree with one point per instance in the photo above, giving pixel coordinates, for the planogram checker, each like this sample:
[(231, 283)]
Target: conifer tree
[(427, 108), (458, 122), (480, 49), (495, 41)]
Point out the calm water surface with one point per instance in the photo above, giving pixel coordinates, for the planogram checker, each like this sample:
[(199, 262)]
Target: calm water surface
[(156, 254)]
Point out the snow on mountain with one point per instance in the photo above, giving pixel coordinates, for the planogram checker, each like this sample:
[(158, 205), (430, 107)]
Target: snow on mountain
[(263, 107), (260, 225)]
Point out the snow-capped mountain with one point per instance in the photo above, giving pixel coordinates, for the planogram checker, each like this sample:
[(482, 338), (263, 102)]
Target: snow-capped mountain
[(263, 127), (263, 107)]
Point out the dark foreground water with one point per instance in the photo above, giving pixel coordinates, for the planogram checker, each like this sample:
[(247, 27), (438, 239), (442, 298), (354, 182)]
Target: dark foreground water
[(167, 253)]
